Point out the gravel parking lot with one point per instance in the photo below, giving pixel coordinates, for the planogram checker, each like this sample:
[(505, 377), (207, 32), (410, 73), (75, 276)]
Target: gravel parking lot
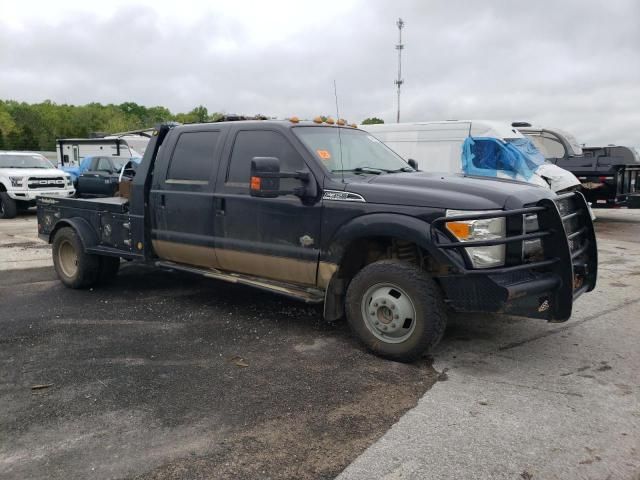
[(166, 375)]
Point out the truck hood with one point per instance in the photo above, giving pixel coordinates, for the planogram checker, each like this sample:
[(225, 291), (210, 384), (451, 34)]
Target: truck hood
[(444, 191), (31, 172)]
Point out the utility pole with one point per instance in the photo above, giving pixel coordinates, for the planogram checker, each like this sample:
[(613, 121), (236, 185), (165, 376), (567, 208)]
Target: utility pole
[(399, 47)]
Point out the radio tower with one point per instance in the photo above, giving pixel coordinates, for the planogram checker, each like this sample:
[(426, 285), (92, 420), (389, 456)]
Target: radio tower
[(399, 47)]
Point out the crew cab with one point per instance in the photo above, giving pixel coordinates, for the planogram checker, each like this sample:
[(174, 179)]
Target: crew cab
[(326, 213), (24, 176)]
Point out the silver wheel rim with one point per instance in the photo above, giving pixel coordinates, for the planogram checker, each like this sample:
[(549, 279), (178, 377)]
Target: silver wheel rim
[(388, 313), (67, 258)]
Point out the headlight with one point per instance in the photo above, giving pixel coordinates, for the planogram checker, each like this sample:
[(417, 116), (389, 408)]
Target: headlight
[(16, 181), (67, 180), (484, 229)]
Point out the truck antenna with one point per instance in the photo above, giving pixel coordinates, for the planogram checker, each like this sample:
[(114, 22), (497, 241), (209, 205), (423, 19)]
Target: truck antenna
[(335, 93)]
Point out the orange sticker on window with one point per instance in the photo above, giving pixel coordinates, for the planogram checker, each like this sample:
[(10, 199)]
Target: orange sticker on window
[(324, 154)]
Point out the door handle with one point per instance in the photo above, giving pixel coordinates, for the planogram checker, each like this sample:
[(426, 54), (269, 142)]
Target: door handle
[(219, 205)]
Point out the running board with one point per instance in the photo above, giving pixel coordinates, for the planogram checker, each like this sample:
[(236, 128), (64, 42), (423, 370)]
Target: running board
[(307, 295)]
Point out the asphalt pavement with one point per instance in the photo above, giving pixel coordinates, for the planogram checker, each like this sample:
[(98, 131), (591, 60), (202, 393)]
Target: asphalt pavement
[(167, 375)]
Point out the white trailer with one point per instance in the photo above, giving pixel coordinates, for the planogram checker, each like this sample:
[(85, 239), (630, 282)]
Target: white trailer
[(71, 151)]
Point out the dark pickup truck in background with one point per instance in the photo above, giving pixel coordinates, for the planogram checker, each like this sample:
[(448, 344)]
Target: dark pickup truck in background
[(328, 214), (610, 176), (102, 177)]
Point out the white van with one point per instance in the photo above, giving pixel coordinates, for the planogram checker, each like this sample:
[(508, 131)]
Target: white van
[(455, 146)]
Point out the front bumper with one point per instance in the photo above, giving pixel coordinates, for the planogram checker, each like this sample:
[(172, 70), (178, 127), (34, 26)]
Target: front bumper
[(542, 288), (32, 195)]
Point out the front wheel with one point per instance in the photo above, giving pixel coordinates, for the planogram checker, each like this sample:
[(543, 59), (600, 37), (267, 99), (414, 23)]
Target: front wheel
[(396, 310)]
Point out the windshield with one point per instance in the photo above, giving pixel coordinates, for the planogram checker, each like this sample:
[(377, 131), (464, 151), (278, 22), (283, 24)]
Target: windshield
[(532, 155), (24, 161), (350, 151)]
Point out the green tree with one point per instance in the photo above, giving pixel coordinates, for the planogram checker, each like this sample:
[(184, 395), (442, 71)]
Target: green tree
[(37, 126), (200, 113), (372, 121)]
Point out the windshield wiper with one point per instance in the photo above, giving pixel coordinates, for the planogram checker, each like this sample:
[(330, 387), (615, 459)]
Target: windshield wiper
[(373, 170), (403, 169)]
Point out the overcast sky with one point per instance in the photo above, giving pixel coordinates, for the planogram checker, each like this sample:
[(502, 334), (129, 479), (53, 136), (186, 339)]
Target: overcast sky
[(568, 64)]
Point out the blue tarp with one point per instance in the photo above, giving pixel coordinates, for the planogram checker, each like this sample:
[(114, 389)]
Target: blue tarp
[(485, 156), (75, 172)]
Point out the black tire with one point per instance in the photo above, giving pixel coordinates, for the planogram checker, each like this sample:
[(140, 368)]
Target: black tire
[(109, 267), (421, 333), (75, 268), (8, 207), (23, 207)]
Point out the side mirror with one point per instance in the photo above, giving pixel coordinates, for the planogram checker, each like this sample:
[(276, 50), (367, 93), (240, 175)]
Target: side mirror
[(266, 175), (413, 164)]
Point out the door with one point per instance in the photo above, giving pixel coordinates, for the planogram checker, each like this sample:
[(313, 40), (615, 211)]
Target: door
[(275, 238), (91, 182), (182, 200), (98, 181)]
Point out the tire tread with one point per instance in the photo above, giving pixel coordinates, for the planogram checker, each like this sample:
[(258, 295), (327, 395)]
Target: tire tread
[(427, 296)]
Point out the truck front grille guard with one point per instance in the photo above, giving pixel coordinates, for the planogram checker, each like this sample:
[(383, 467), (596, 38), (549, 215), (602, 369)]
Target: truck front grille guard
[(568, 241), (438, 226), (566, 216)]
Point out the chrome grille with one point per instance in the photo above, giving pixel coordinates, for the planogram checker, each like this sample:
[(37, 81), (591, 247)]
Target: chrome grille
[(35, 183)]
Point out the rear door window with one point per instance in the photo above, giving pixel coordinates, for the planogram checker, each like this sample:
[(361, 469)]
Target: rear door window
[(193, 158)]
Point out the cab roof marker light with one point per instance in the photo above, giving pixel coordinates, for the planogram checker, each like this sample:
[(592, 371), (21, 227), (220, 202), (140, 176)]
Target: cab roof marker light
[(294, 119), (317, 120), (330, 121)]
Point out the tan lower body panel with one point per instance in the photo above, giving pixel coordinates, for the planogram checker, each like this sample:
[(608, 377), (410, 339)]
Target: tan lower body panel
[(255, 264), (268, 266), (185, 253)]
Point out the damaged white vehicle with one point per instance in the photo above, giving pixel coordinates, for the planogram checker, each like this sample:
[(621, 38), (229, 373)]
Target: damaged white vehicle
[(476, 148)]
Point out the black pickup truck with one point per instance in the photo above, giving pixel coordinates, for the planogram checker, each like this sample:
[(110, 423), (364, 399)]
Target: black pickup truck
[(610, 176), (328, 214)]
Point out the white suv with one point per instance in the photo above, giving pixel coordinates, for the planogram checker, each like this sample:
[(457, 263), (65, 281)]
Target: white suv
[(25, 176)]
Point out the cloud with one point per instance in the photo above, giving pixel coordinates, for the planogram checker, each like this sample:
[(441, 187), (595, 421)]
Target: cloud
[(573, 64)]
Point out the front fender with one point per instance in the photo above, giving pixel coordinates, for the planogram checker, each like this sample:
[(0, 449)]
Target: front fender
[(382, 225), (88, 236)]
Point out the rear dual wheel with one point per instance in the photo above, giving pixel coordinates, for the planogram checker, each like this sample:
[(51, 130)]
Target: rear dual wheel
[(75, 267), (396, 310)]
